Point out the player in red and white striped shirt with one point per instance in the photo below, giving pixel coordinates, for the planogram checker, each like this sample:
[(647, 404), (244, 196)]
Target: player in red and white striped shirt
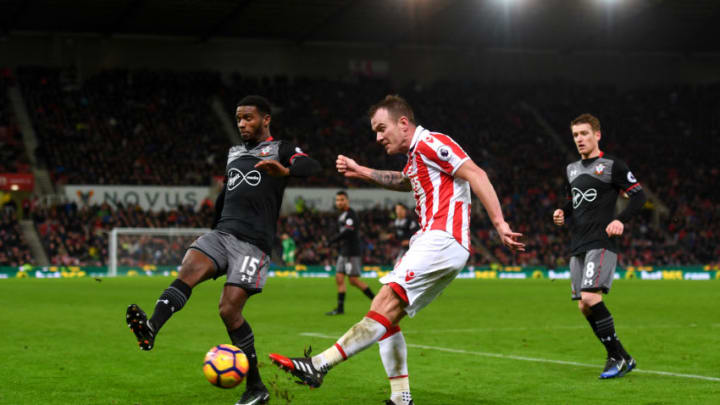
[(441, 176)]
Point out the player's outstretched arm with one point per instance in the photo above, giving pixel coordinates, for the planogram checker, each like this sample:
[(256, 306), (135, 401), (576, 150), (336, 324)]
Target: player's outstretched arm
[(484, 190), (273, 168), (384, 178), (301, 167)]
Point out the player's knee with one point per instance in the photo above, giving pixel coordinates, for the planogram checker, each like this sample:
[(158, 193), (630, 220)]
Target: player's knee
[(230, 314), (589, 299)]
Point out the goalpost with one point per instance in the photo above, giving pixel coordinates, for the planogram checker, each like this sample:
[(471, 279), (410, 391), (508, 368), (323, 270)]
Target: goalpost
[(142, 246)]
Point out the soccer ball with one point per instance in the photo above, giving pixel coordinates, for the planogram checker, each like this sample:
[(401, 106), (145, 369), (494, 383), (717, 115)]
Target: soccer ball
[(225, 366)]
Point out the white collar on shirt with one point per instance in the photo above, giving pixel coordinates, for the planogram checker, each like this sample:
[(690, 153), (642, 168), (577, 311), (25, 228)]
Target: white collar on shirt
[(419, 131)]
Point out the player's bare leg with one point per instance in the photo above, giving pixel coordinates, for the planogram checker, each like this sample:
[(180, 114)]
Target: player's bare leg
[(387, 309), (341, 289), (231, 305), (362, 286), (196, 267), (619, 362)]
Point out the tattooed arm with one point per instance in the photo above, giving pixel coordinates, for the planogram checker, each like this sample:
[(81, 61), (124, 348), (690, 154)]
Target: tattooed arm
[(384, 178), (390, 180)]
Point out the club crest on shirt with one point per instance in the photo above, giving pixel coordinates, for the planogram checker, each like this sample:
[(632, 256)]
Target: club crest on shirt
[(600, 168), (265, 151)]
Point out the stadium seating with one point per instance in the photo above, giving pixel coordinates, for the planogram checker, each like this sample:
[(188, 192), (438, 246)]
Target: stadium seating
[(168, 135), (122, 127), (75, 235), (13, 158), (13, 249)]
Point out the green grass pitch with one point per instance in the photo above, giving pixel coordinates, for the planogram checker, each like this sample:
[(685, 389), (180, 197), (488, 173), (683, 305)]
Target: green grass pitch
[(482, 342)]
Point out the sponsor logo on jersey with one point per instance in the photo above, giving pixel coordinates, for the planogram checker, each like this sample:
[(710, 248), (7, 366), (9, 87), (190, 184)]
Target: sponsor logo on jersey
[(429, 139), (600, 168), (444, 153), (631, 178), (236, 177), (573, 172), (409, 275), (579, 196)]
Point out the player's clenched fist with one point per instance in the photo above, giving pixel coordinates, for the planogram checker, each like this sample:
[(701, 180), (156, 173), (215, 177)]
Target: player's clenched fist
[(347, 166), (559, 217), (615, 228)]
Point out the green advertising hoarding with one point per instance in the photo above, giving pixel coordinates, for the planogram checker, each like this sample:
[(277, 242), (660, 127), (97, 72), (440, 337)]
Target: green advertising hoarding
[(481, 272)]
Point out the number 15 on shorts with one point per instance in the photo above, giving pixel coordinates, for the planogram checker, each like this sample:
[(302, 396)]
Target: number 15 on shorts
[(248, 269)]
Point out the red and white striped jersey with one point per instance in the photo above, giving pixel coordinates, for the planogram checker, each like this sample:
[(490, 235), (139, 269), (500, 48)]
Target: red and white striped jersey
[(442, 201)]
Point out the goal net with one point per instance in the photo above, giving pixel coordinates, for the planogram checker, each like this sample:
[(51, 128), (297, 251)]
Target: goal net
[(142, 247)]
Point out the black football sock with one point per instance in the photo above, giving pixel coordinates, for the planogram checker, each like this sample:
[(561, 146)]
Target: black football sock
[(243, 338), (368, 292), (341, 302), (592, 323), (171, 301), (605, 330)]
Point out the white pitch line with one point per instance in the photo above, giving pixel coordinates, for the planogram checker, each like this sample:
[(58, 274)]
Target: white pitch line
[(533, 359), (476, 330)]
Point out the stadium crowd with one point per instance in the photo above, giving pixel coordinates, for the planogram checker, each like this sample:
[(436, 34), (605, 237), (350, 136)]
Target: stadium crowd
[(13, 158), (75, 235), (141, 127), (125, 127), (14, 251)]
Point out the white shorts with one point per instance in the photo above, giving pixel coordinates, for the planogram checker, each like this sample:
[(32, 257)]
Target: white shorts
[(434, 260)]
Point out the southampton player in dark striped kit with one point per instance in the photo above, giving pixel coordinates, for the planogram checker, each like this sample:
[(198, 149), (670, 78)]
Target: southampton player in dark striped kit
[(349, 260), (239, 246), (595, 182), (404, 227)]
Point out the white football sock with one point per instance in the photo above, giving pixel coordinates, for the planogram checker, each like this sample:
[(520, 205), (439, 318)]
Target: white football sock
[(393, 353), (363, 334)]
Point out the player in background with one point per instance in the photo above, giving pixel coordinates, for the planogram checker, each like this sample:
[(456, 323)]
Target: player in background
[(288, 249), (440, 175), (349, 257), (239, 245), (595, 182), (404, 227)]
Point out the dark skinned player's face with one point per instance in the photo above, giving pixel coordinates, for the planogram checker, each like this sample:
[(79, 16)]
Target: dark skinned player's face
[(251, 123), (341, 202)]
